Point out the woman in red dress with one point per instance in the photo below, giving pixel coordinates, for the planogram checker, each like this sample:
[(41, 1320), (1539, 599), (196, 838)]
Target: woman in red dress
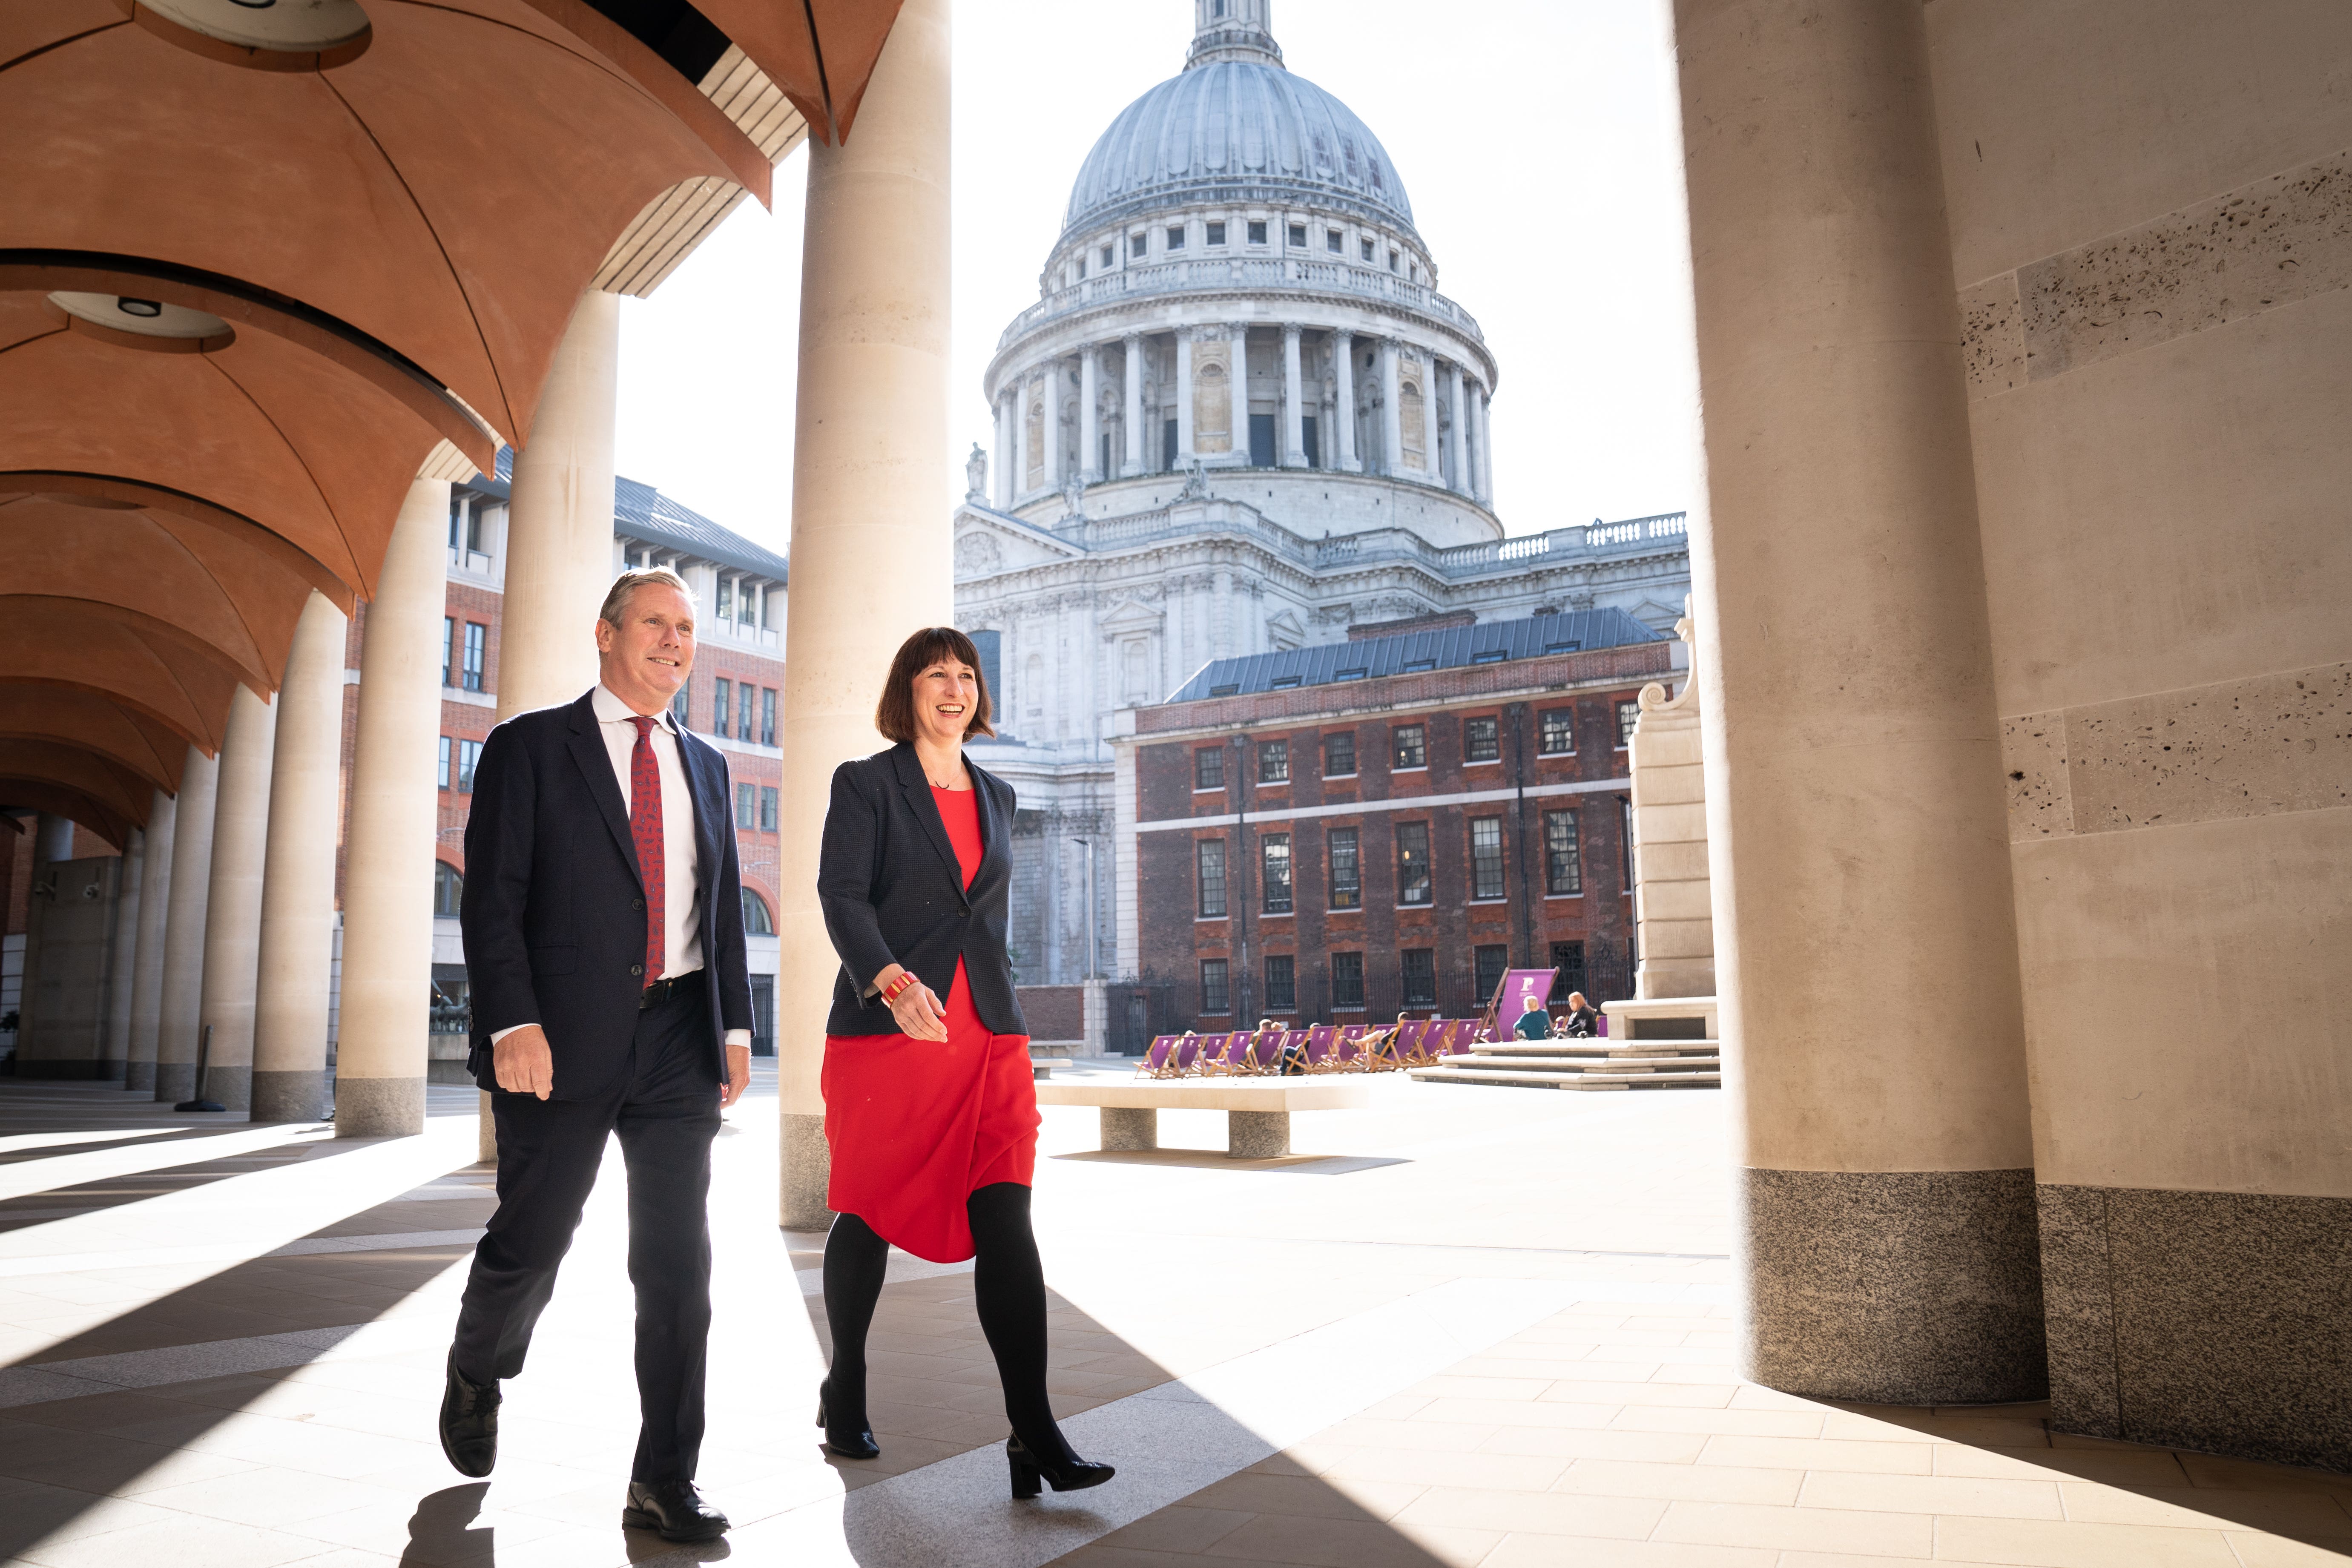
[(930, 1108)]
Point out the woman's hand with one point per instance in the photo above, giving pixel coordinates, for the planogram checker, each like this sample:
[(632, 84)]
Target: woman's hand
[(916, 1009)]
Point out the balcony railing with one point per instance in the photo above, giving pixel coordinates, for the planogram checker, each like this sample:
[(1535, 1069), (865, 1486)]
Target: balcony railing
[(1228, 275), (1377, 545)]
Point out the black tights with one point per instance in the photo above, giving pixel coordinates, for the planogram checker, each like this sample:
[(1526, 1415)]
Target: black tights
[(1008, 1286)]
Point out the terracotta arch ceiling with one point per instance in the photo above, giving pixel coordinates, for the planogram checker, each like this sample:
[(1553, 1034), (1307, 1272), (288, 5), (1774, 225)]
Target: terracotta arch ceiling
[(444, 187), (63, 800), (124, 736), (122, 798), (216, 588)]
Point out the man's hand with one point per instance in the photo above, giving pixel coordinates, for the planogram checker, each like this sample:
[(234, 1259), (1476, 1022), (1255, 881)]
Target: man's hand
[(525, 1066), (738, 1075)]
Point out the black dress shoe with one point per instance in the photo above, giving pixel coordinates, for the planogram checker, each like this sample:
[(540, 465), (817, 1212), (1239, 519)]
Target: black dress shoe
[(673, 1511), (1069, 1474), (469, 1422), (850, 1441)]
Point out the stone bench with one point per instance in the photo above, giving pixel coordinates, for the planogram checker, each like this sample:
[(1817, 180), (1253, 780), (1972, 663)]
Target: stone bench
[(1257, 1110)]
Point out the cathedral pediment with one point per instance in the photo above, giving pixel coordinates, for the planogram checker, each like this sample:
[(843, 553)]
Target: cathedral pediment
[(988, 543), (1130, 616)]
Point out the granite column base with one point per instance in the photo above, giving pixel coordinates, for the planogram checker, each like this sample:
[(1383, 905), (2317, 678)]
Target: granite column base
[(379, 1107), (289, 1096), (2218, 1321), (803, 1172), (1893, 1287)]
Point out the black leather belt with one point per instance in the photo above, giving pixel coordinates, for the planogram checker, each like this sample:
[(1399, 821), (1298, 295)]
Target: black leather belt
[(661, 990)]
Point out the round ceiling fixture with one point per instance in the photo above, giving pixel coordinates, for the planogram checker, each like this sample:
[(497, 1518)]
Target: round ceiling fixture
[(142, 318), (287, 26)]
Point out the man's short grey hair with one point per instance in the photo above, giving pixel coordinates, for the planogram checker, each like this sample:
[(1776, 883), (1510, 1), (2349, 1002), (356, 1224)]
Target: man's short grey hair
[(616, 598)]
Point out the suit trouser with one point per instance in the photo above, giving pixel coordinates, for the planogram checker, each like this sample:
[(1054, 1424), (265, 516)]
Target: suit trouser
[(664, 1106)]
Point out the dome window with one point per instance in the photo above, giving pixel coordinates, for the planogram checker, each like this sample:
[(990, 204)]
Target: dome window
[(1368, 249), (1176, 235), (1393, 261), (1332, 241), (1216, 233), (1135, 245), (1105, 257), (1257, 231), (1299, 237)]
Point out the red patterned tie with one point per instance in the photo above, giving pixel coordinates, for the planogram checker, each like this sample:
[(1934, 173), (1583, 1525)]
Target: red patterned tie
[(645, 829)]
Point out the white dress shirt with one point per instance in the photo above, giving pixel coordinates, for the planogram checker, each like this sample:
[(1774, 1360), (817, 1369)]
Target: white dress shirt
[(681, 911)]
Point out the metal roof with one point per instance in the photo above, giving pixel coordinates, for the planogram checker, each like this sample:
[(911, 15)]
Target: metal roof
[(642, 512), (1408, 653)]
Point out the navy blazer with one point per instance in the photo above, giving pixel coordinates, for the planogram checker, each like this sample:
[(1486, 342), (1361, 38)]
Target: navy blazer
[(891, 890), (553, 909)]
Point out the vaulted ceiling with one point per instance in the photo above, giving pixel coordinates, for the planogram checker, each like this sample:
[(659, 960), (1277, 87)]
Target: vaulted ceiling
[(260, 266)]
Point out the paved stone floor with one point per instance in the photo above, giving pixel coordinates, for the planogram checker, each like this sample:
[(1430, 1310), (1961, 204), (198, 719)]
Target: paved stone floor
[(1463, 1326)]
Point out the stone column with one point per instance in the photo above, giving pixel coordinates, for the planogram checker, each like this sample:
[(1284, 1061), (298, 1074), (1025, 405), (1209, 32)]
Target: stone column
[(560, 523), (1433, 460), (233, 907), (1008, 413), (147, 972), (1019, 484), (1485, 404), (1186, 452), (1294, 405), (1460, 477), (1343, 364), (1052, 382), (1091, 414), (121, 976), (1132, 347), (1865, 947), (874, 359), (1237, 336), (298, 891), (1391, 410), (388, 862), (182, 992)]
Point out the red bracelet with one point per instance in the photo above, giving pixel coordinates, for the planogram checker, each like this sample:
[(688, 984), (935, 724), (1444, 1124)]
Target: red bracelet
[(898, 987)]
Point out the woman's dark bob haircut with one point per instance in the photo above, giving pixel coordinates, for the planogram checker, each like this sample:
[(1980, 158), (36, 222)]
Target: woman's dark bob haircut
[(895, 714)]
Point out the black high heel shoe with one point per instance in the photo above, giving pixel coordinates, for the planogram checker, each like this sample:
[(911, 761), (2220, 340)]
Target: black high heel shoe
[(1073, 1475), (849, 1445)]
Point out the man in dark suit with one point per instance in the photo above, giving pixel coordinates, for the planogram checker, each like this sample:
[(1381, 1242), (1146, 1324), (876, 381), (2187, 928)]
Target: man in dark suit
[(603, 927)]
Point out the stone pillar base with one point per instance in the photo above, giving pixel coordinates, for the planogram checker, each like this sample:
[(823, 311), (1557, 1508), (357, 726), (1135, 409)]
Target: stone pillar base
[(2200, 1319), (805, 1171), (379, 1107), (1256, 1134), (289, 1096), (1893, 1287), (140, 1075), (1127, 1130), (175, 1082), (231, 1089)]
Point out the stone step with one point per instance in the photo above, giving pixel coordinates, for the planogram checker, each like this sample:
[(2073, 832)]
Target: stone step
[(1582, 1065), (1598, 1047), (1572, 1080)]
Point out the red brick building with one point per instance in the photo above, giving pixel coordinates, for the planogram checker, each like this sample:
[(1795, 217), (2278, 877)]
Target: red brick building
[(1348, 831), (732, 700)]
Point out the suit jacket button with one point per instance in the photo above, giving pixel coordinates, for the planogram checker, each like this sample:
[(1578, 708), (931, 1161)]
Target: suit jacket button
[(636, 969), (636, 903)]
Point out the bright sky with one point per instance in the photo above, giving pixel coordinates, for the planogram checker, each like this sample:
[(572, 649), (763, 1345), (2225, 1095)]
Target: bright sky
[(1535, 137)]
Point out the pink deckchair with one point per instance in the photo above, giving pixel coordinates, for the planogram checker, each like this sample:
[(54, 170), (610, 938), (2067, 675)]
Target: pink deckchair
[(1155, 1062)]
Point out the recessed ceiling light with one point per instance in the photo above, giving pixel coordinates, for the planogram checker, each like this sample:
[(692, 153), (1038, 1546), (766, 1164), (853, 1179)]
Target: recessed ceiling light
[(253, 4), (139, 307)]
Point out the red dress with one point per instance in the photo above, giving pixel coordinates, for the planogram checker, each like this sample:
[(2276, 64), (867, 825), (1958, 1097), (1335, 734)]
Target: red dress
[(916, 1127)]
